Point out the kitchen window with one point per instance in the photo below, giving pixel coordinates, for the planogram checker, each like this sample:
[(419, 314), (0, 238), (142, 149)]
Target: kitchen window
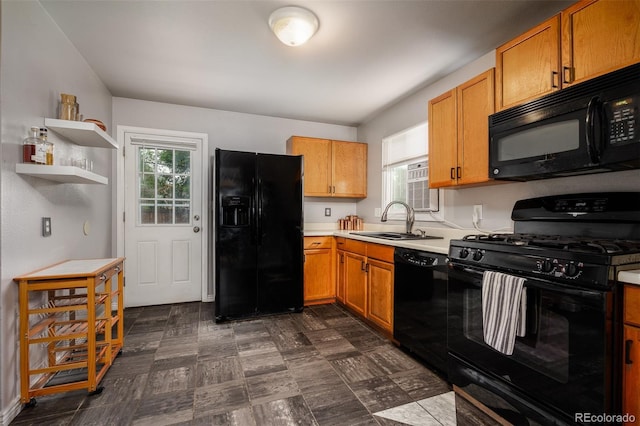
[(405, 174)]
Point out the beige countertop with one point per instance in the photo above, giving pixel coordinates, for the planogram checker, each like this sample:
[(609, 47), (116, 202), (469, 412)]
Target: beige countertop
[(629, 277), (440, 246)]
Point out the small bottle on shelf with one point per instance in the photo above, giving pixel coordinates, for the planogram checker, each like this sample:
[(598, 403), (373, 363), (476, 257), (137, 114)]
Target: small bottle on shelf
[(30, 146), (48, 146)]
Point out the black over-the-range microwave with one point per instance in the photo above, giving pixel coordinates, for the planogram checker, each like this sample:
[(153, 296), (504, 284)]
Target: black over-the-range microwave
[(587, 128)]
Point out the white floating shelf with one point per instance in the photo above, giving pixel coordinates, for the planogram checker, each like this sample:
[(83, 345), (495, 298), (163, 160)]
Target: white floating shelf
[(81, 133), (64, 174)]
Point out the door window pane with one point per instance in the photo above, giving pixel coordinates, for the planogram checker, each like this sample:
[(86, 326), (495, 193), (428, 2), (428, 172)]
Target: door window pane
[(164, 186)]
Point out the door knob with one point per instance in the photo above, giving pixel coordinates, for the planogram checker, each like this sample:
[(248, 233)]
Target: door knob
[(196, 229)]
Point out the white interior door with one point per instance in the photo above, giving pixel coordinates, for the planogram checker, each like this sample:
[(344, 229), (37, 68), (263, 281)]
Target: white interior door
[(163, 219)]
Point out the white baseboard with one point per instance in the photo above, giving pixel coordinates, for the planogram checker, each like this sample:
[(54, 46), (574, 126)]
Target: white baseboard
[(10, 412)]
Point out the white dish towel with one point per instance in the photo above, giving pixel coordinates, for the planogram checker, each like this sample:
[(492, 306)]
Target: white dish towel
[(504, 309)]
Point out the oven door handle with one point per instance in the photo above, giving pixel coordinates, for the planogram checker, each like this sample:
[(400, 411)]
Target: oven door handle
[(535, 283)]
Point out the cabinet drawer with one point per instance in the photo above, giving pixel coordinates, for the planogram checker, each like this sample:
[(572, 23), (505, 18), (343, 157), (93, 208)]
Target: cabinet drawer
[(355, 246), (380, 252), (317, 242), (340, 243), (632, 304)]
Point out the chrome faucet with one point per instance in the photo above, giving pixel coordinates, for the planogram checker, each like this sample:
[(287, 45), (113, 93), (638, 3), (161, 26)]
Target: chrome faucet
[(410, 214)]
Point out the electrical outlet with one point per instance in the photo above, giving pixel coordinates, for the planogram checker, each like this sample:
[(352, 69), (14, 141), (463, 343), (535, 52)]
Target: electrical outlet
[(46, 226), (477, 213), (327, 211)]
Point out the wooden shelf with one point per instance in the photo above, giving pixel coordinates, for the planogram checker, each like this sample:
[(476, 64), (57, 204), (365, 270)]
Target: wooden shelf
[(81, 133), (64, 174)]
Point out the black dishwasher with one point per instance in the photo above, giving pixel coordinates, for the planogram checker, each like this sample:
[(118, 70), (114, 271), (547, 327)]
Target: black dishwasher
[(420, 305)]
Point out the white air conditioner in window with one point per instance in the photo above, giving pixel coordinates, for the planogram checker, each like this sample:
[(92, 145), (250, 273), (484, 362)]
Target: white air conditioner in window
[(418, 194)]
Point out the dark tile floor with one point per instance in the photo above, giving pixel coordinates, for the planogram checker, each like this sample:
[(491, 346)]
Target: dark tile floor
[(319, 367)]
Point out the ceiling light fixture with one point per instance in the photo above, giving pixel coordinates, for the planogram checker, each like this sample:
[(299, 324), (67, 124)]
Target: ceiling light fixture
[(293, 25)]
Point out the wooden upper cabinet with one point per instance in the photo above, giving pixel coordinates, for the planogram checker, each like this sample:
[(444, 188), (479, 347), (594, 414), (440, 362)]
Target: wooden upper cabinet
[(317, 164), (475, 104), (459, 133), (443, 140), (528, 66), (587, 39), (331, 168), (349, 161), (599, 36)]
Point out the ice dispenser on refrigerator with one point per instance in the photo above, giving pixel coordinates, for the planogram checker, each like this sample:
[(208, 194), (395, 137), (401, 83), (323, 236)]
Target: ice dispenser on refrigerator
[(235, 211)]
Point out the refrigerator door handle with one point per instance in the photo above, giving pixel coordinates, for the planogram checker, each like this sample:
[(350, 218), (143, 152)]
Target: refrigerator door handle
[(259, 215)]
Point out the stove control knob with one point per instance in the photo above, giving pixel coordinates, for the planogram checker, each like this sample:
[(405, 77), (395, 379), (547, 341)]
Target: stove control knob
[(545, 265), (571, 270), (464, 252), (477, 255)]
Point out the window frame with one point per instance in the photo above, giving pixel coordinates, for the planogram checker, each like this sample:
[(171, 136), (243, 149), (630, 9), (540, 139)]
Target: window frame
[(397, 212)]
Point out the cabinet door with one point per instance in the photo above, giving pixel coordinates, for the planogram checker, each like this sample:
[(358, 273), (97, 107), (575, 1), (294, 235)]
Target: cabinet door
[(317, 164), (318, 285), (631, 374), (528, 66), (356, 283), (349, 172), (443, 144), (475, 104), (599, 36), (340, 275), (381, 293)]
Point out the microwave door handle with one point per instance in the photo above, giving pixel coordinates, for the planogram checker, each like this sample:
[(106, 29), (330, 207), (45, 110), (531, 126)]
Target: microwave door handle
[(592, 144)]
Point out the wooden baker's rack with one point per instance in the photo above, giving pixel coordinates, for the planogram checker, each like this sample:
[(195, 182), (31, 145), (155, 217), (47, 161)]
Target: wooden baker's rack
[(70, 330)]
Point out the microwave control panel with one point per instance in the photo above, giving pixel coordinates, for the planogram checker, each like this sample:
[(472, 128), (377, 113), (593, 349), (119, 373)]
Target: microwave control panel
[(623, 125)]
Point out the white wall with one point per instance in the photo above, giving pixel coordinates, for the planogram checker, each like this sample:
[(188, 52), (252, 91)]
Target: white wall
[(238, 131), (497, 200), (37, 64)]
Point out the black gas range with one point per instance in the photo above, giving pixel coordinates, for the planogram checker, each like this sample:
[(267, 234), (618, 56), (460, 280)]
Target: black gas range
[(566, 252), (573, 261)]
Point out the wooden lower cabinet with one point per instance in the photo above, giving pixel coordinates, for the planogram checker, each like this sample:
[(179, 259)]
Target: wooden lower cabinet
[(631, 375), (340, 276), (367, 271), (355, 283), (631, 352), (381, 293), (319, 286)]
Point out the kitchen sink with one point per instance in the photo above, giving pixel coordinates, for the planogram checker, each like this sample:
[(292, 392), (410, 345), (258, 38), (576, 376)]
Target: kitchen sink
[(396, 236)]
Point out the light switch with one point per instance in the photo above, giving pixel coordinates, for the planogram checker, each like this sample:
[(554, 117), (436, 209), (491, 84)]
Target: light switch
[(46, 226)]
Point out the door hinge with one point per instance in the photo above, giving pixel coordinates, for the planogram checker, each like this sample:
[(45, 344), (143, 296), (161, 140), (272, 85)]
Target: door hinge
[(123, 151), (123, 218)]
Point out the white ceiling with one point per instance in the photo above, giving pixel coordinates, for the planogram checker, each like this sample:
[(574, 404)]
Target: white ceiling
[(366, 55)]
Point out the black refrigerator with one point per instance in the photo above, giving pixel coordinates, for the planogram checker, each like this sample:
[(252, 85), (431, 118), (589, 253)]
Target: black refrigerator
[(258, 234)]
